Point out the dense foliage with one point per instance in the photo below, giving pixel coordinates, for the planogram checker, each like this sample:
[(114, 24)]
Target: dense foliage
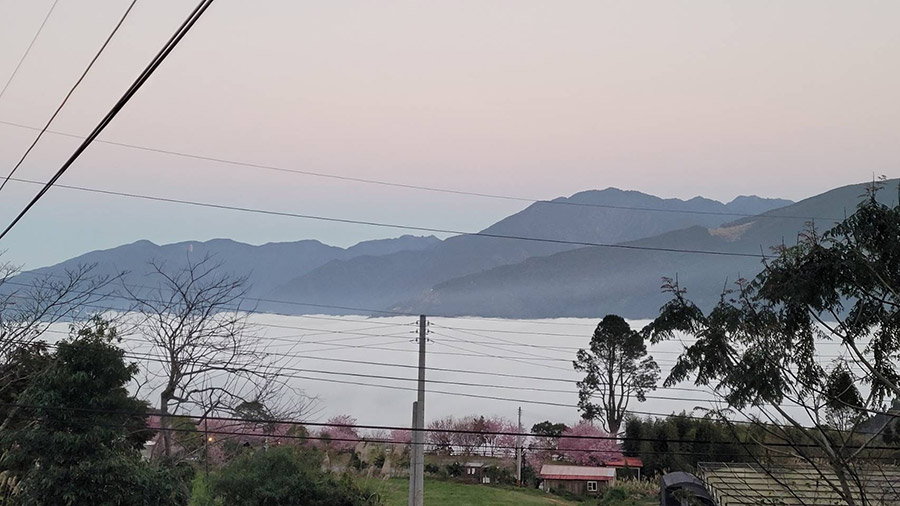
[(286, 476), (761, 346), (616, 368), (679, 442), (76, 433)]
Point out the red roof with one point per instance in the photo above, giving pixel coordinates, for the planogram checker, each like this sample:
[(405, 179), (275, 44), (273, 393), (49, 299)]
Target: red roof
[(626, 462)]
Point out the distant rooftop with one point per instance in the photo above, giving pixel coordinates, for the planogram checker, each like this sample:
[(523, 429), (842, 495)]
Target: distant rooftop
[(558, 472)]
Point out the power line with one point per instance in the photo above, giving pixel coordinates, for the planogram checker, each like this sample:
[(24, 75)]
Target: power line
[(270, 421), (68, 95), (153, 358), (357, 332), (389, 313), (268, 212), (28, 49), (429, 188), (142, 78)]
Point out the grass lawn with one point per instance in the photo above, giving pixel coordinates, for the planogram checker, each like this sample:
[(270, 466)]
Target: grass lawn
[(440, 493)]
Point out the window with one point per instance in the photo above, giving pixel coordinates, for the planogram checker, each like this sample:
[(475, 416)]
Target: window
[(470, 470), (592, 486)]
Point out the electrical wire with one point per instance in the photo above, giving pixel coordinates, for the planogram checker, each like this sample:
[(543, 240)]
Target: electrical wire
[(432, 188), (28, 49), (270, 421), (142, 78), (269, 212), (68, 95)]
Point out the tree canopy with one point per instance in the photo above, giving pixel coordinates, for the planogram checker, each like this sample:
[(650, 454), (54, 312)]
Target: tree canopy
[(77, 433), (760, 347), (616, 369)]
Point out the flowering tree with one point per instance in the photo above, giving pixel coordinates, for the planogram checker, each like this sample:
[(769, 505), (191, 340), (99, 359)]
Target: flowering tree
[(470, 436), (577, 445), (505, 444), (437, 437), (341, 434), (401, 436)]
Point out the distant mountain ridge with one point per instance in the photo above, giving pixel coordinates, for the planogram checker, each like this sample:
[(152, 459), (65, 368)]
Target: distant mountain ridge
[(592, 281), (413, 273), (266, 266), (605, 216)]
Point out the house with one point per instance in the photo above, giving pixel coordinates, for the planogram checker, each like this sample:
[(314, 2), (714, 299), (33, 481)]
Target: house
[(474, 472), (578, 480), (627, 467)]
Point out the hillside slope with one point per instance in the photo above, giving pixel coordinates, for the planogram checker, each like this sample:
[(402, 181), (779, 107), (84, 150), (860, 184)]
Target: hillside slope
[(596, 216), (266, 266), (591, 282)]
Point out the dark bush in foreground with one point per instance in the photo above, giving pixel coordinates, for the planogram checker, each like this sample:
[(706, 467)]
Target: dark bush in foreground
[(286, 476)]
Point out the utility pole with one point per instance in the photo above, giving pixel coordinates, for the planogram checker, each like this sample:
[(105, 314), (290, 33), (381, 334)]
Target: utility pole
[(417, 460), (413, 454), (519, 450)]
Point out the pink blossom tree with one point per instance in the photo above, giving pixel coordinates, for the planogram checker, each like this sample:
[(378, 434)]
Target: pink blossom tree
[(341, 433), (587, 445), (401, 436), (469, 435), (505, 444), (437, 438)]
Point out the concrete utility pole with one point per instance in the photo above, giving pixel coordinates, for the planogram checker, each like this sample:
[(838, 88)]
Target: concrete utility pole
[(519, 450), (413, 454), (417, 460)]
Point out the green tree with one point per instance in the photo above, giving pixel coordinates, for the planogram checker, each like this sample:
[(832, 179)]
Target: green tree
[(77, 436), (760, 345), (549, 429), (18, 369), (286, 476), (616, 369)]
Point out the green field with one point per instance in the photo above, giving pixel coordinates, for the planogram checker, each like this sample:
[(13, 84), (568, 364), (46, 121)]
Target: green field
[(441, 493)]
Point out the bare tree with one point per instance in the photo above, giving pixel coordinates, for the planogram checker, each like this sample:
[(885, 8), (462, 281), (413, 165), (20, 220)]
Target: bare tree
[(31, 303), (208, 356)]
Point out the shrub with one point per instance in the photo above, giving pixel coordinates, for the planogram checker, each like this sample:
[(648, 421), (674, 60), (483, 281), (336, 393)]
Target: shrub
[(286, 476), (356, 463), (454, 470), (499, 475), (201, 495), (629, 493)]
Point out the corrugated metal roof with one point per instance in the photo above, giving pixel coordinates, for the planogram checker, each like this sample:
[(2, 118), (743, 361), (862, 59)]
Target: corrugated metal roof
[(566, 477), (745, 484), (558, 472)]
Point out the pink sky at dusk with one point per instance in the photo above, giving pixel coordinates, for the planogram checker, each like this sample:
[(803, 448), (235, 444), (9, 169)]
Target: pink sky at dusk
[(530, 98)]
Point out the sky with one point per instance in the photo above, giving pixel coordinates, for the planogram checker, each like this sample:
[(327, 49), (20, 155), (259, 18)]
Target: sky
[(528, 98)]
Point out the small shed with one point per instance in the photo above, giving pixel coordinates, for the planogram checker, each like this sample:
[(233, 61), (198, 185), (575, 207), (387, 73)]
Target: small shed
[(474, 472), (578, 480)]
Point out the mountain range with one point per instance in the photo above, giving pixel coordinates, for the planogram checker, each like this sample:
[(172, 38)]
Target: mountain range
[(504, 277)]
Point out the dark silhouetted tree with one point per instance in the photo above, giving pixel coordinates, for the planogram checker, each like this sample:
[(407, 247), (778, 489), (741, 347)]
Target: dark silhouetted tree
[(616, 369)]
